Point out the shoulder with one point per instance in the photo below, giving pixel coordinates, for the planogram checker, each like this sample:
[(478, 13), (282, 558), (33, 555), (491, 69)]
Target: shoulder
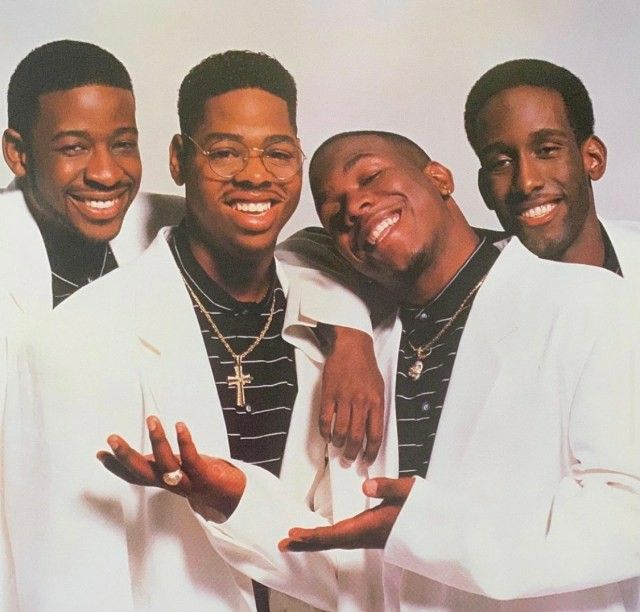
[(169, 209), (557, 285)]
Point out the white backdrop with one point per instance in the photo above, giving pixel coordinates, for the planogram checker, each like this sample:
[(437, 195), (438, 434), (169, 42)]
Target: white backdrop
[(404, 66)]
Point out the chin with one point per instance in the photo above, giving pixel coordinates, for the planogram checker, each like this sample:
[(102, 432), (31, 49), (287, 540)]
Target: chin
[(99, 233)]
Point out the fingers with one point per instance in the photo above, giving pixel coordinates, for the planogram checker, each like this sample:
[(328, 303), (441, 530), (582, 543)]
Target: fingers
[(375, 426), (116, 468), (188, 452), (388, 488), (162, 451), (341, 423), (327, 410), (318, 538), (356, 429), (132, 461)]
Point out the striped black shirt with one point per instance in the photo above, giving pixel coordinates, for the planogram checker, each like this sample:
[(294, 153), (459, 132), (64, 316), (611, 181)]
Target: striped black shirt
[(419, 402), (74, 261), (258, 432)]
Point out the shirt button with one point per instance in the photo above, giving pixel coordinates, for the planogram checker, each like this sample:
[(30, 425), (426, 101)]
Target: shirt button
[(248, 408), (425, 407), (424, 316)]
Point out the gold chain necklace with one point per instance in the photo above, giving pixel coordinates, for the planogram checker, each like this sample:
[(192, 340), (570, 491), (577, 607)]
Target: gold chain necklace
[(239, 379), (422, 352)]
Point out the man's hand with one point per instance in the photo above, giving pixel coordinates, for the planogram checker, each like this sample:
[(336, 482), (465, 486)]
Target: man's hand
[(212, 486), (369, 529), (352, 405)]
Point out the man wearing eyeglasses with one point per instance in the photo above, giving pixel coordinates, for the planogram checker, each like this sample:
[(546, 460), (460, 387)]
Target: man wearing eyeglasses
[(193, 331)]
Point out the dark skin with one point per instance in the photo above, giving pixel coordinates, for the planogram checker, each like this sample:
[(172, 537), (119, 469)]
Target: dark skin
[(212, 486), (416, 195), (362, 184), (352, 407)]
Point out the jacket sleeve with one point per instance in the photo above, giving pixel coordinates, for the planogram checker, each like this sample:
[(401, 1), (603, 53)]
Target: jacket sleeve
[(589, 535), (248, 540), (328, 291)]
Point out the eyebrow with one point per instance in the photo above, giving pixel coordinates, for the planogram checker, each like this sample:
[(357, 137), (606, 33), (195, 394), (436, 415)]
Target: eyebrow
[(353, 160), (273, 138), (84, 134), (535, 137)]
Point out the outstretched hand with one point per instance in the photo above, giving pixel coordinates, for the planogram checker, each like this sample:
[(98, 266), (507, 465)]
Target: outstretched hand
[(352, 407), (369, 529), (213, 486)]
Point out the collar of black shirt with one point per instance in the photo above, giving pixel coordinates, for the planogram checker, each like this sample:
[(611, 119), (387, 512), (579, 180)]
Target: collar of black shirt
[(610, 262), (206, 287), (451, 297)]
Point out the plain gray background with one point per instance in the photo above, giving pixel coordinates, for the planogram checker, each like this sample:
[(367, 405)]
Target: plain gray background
[(404, 66)]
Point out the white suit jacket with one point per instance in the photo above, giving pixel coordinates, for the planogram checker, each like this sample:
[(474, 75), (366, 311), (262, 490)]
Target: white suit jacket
[(25, 274), (81, 538), (532, 499)]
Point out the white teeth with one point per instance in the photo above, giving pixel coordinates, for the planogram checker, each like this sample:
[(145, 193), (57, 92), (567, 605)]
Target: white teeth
[(99, 204), (538, 211), (252, 207), (377, 231)]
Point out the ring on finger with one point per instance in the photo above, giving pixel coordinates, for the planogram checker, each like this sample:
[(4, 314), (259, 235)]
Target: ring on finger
[(172, 479)]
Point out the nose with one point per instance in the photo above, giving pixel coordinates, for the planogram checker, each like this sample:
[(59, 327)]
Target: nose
[(103, 168), (356, 204), (528, 175), (254, 171)]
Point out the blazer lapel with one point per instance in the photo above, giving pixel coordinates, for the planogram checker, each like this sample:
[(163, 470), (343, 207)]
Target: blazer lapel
[(477, 371), (176, 379)]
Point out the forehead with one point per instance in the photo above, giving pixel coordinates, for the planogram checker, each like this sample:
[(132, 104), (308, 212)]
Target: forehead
[(344, 154), (252, 113), (88, 108), (520, 111)]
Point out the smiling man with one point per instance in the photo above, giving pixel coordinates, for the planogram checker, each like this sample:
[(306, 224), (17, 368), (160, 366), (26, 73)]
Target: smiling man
[(72, 144), (195, 329), (531, 124)]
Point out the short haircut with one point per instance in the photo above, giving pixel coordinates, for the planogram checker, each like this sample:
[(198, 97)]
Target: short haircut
[(58, 66), (536, 73), (409, 149), (224, 72)]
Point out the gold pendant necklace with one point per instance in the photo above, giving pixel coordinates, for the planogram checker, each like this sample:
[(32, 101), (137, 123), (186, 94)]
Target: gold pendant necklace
[(422, 352), (239, 378)]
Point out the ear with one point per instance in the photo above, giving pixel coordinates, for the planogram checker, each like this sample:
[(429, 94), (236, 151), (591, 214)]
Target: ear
[(485, 191), (594, 157), (441, 176), (176, 159), (14, 152)]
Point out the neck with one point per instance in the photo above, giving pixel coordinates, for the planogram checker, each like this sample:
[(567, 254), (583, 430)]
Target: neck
[(246, 280), (456, 244), (588, 247)]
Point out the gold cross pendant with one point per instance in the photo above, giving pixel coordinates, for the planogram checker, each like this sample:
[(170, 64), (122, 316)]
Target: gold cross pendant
[(239, 380)]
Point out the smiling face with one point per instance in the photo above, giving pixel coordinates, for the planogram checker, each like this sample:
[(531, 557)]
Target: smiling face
[(241, 216), (385, 211), (82, 169), (534, 173)]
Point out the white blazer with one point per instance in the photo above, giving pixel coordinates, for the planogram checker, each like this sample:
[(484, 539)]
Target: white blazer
[(25, 283), (532, 499), (81, 538)]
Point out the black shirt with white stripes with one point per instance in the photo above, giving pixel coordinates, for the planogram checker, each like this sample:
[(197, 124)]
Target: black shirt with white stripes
[(419, 402), (258, 432), (74, 261)]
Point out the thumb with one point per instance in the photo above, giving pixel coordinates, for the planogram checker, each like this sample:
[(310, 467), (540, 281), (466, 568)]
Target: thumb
[(388, 487)]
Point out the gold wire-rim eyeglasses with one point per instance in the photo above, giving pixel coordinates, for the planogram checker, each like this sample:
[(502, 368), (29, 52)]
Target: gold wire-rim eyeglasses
[(283, 172)]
